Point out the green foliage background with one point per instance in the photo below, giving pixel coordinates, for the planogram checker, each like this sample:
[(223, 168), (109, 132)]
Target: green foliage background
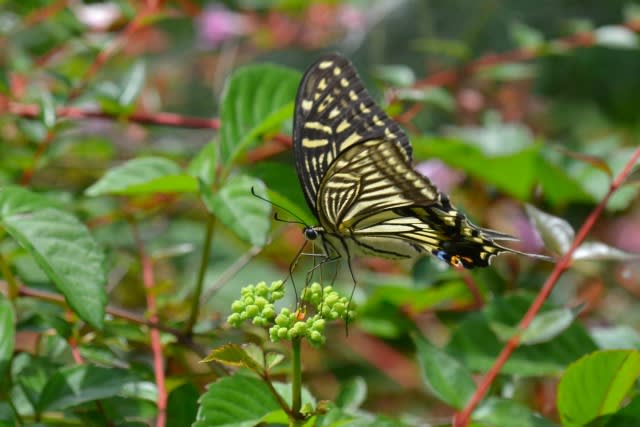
[(132, 135)]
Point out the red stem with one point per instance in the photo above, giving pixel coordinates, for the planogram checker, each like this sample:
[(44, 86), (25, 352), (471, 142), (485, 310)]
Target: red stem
[(163, 119), (156, 346), (461, 419)]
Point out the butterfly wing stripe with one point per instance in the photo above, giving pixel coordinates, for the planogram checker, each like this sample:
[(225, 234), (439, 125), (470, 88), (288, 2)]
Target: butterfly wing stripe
[(333, 104)]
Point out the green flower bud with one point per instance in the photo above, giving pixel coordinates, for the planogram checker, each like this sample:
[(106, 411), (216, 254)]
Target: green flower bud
[(331, 298), (237, 306), (234, 319), (300, 327), (318, 324), (273, 333), (282, 333), (262, 289), (339, 308), (316, 338), (268, 312), (277, 286), (248, 299), (252, 310), (261, 302), (328, 289), (316, 288), (259, 320), (283, 319), (277, 295)]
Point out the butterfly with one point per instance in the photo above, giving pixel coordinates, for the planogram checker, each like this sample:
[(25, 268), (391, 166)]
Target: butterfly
[(355, 167)]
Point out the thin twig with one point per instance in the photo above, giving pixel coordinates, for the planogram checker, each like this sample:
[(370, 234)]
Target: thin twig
[(461, 419), (156, 345), (162, 119)]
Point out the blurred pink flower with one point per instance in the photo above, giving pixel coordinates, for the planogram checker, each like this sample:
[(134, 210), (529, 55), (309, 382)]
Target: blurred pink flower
[(444, 177), (352, 18), (218, 24)]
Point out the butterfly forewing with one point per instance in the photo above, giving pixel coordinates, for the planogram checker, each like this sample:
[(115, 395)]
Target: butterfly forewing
[(334, 112)]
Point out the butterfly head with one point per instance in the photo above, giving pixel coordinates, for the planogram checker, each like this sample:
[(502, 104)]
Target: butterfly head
[(311, 233)]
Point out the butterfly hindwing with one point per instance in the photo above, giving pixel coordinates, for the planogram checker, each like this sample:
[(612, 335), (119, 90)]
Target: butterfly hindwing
[(334, 112)]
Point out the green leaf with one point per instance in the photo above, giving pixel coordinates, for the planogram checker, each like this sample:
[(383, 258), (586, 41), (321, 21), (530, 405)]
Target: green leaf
[(477, 346), (258, 99), (629, 416), (548, 325), (557, 234), (515, 172), (596, 385), (204, 164), (447, 378), (352, 394), (238, 401), (65, 250), (47, 110), (395, 75), (15, 200), (7, 333), (508, 413), (145, 175), (133, 84), (234, 355), (74, 385), (4, 81), (246, 215), (182, 406)]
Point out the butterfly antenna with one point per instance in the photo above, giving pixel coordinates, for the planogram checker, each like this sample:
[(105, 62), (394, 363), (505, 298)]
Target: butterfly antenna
[(299, 220)]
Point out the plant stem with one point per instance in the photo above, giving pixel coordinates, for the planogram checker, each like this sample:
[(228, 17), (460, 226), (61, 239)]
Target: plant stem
[(195, 306), (296, 381), (13, 288)]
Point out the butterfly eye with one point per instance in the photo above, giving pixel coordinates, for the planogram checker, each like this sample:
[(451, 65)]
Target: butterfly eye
[(310, 233)]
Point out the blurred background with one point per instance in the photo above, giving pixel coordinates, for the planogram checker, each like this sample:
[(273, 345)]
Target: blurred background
[(506, 103)]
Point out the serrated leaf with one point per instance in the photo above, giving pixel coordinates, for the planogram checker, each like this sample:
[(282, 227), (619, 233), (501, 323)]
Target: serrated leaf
[(234, 355), (74, 385), (145, 175), (258, 98), (47, 110), (598, 251), (496, 412), (557, 234), (7, 333), (546, 326), (237, 208), (133, 84), (352, 394), (238, 401), (65, 250), (596, 385), (446, 377)]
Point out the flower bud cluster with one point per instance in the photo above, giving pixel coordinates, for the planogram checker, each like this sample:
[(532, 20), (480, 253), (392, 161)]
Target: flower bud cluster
[(256, 303)]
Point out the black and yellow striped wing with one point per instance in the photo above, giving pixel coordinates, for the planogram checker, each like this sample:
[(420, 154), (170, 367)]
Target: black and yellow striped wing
[(334, 112), (372, 201), (355, 168)]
